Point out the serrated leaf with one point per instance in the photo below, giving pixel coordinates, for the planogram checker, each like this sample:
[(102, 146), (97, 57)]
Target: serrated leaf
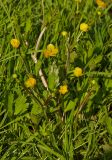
[(36, 109), (20, 105), (97, 59), (94, 61), (36, 113), (35, 118)]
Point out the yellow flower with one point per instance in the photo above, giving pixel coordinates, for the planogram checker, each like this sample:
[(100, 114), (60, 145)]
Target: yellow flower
[(77, 72), (64, 33), (101, 4), (15, 43), (50, 51), (63, 89), (84, 27), (30, 83)]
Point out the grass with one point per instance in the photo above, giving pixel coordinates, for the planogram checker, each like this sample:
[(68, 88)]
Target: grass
[(39, 122)]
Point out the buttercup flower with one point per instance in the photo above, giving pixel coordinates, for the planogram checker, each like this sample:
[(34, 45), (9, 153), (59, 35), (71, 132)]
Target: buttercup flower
[(30, 83), (101, 4), (84, 27), (15, 43), (63, 89), (77, 72), (51, 51), (64, 33)]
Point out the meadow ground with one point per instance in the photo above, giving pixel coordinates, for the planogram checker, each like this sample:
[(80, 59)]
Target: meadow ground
[(55, 80)]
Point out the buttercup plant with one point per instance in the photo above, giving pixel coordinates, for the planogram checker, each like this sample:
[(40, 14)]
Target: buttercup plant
[(56, 93)]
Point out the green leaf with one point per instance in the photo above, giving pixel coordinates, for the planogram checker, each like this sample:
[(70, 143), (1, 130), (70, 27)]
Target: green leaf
[(36, 109), (3, 119), (20, 105), (69, 106), (45, 94), (13, 158), (36, 113), (109, 124), (10, 104), (108, 83), (35, 118), (28, 158), (90, 49), (28, 25), (110, 57), (46, 148), (73, 56), (53, 78), (98, 59), (94, 61), (38, 66), (110, 31)]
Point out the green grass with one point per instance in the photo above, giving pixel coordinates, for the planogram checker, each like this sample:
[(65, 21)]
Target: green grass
[(40, 123)]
